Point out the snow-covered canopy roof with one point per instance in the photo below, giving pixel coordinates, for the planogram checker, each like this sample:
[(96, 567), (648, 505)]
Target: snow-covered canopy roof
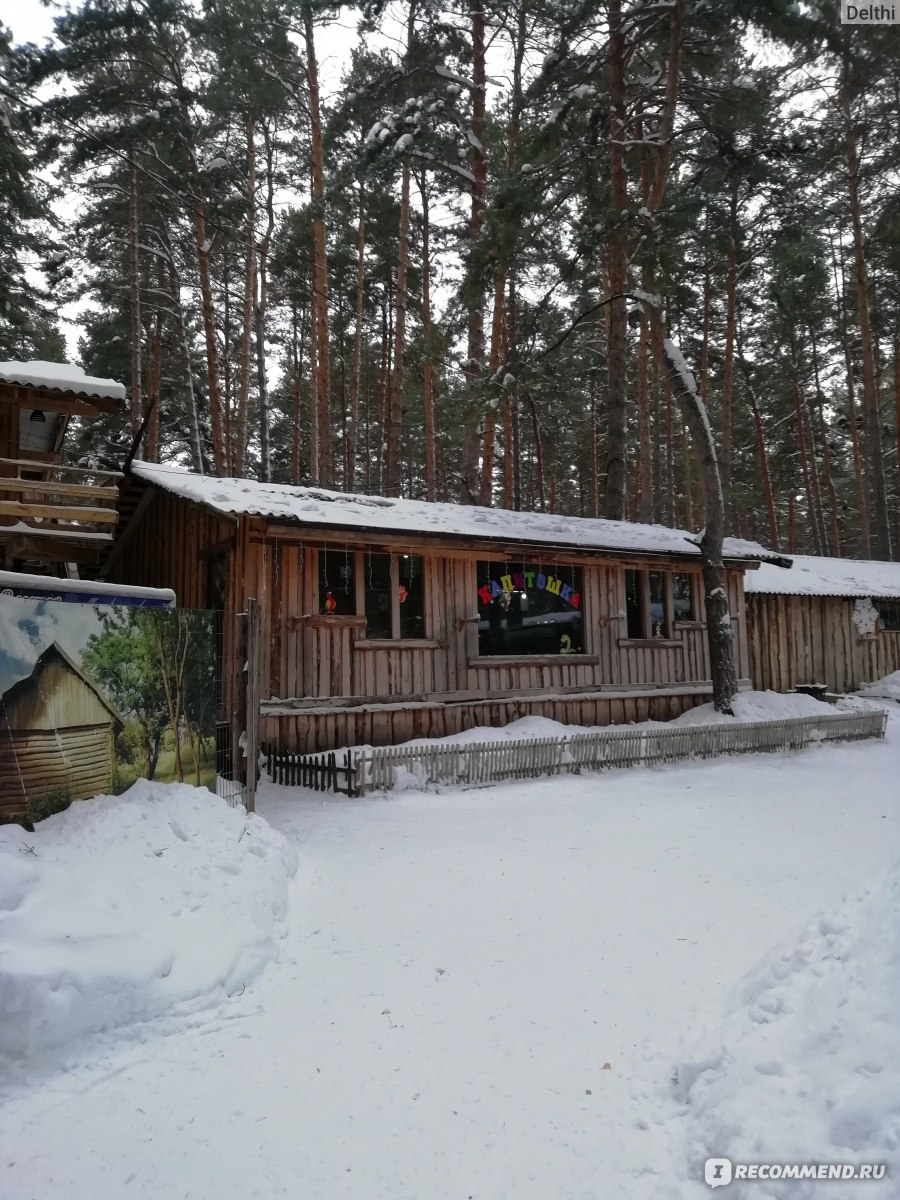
[(812, 576), (60, 377), (16, 580), (318, 508)]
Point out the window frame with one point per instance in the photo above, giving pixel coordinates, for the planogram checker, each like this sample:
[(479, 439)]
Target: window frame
[(888, 603), (581, 657), (358, 618), (672, 627)]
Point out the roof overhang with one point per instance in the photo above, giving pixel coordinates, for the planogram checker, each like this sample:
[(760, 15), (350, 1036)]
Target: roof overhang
[(38, 399)]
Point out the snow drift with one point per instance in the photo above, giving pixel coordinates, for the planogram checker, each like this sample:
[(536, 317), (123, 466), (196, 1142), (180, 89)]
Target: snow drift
[(887, 688), (806, 1067), (121, 908)]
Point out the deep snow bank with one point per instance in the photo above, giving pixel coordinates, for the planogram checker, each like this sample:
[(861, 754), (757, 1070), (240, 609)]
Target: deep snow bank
[(887, 688), (122, 907), (748, 706), (806, 1064), (757, 706)]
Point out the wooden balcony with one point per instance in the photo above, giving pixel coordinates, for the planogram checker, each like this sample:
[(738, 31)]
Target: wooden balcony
[(50, 513)]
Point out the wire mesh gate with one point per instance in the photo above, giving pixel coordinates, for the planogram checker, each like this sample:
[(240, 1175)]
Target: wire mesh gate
[(237, 734)]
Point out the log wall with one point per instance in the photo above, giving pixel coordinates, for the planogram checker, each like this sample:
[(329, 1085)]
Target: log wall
[(328, 686), (75, 762), (812, 639), (324, 684)]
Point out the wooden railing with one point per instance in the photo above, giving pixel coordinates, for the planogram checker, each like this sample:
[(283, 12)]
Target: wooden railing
[(51, 495)]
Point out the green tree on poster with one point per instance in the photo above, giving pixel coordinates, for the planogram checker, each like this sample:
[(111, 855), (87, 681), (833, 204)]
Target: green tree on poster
[(122, 663), (157, 665)]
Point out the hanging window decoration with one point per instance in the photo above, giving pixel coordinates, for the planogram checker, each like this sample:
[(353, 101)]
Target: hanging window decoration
[(412, 596), (529, 608), (392, 596), (336, 589)]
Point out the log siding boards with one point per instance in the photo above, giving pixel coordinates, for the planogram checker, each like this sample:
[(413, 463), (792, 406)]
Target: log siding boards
[(812, 639), (324, 684), (57, 735)]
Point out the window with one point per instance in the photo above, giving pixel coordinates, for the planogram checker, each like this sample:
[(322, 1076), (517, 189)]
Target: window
[(411, 596), (529, 608), (337, 590), (655, 601), (888, 615), (216, 593), (634, 603), (659, 609), (388, 590), (683, 597), (377, 592)]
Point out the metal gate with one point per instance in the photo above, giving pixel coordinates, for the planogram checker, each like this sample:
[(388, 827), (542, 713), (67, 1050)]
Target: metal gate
[(237, 737)]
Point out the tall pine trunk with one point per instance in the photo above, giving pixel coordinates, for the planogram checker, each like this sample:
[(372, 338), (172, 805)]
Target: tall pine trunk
[(239, 450), (719, 632), (859, 477), (427, 362), (134, 286), (470, 488), (203, 246), (881, 533), (322, 408), (353, 421), (394, 412), (617, 265), (730, 328), (261, 305)]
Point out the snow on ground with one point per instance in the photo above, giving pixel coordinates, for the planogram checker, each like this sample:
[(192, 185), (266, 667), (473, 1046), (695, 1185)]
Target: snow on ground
[(120, 908), (812, 1040), (748, 706), (486, 993), (887, 688), (757, 706)]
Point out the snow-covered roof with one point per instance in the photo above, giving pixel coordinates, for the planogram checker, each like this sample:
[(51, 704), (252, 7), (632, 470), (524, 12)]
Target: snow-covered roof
[(60, 377), (317, 507), (812, 576), (53, 532), (13, 580)]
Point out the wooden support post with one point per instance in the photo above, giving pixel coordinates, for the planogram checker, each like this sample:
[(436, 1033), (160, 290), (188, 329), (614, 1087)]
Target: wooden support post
[(238, 693), (251, 685)]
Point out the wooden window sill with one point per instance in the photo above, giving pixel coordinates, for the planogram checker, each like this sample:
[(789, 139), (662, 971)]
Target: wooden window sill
[(690, 624), (396, 644), (649, 643), (326, 620), (533, 660)]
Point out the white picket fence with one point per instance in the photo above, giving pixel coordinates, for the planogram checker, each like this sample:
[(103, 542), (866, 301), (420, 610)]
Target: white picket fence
[(479, 763)]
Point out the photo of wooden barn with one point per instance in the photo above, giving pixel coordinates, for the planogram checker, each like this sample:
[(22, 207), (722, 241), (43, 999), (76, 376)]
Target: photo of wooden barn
[(832, 621), (386, 619), (57, 736)]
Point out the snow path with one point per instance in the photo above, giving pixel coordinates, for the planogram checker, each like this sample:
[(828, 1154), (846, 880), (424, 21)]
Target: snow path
[(458, 969)]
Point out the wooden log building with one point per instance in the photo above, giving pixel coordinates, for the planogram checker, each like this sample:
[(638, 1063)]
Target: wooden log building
[(52, 516), (387, 619), (831, 621), (57, 736)]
